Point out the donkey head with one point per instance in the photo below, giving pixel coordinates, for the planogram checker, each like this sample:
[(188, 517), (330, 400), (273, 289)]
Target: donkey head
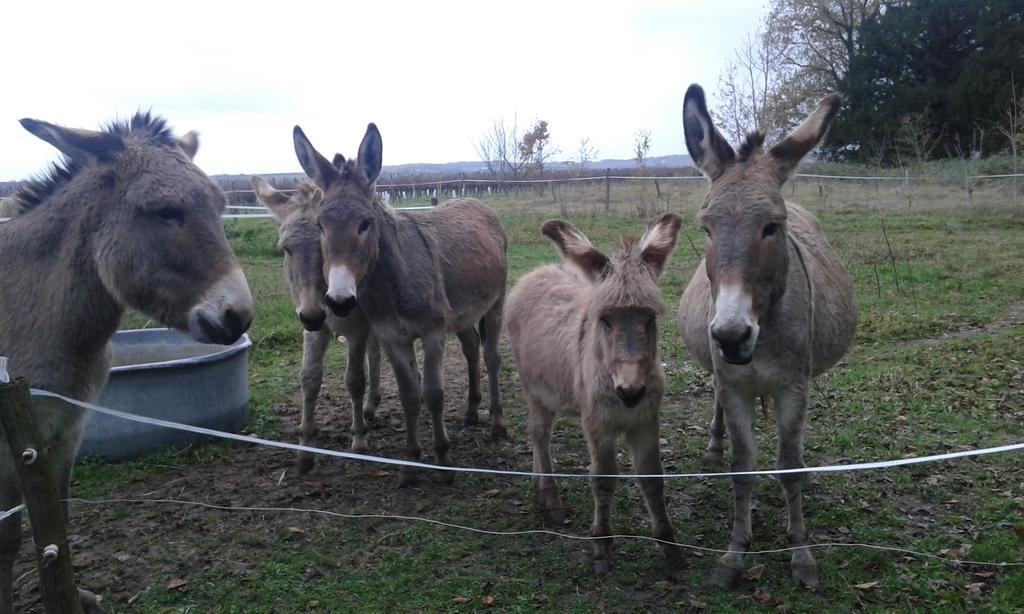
[(299, 239), (350, 215), (744, 219), (153, 219), (621, 321)]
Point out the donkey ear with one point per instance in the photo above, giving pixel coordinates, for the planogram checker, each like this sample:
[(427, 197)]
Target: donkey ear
[(708, 148), (189, 143), (371, 152), (659, 241), (82, 146), (788, 152), (275, 201), (576, 249), (316, 197), (338, 161), (319, 169)]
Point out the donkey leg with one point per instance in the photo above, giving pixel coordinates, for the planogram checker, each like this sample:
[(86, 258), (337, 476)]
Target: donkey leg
[(433, 397), (539, 424), (372, 401), (314, 346), (714, 455), (402, 357), (470, 341), (643, 445), (602, 462), (739, 418), (791, 412), (491, 326), (355, 382)]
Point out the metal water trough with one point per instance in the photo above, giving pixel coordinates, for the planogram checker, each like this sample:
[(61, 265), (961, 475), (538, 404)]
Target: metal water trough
[(165, 374)]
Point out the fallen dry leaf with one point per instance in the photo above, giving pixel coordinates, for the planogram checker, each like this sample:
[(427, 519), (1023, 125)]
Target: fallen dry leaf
[(488, 600), (460, 600), (762, 596), (755, 572), (698, 605), (866, 586), (379, 473), (976, 589), (494, 492), (296, 530), (176, 584), (134, 598)]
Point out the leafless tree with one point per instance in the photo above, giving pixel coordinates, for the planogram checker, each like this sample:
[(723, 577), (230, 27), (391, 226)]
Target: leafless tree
[(585, 154), (641, 147), (1011, 123), (499, 149), (917, 138)]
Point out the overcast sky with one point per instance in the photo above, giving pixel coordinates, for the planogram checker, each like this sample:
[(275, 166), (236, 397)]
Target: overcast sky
[(432, 75)]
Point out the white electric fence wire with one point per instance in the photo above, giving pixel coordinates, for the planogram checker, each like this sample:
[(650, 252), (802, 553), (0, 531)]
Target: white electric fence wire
[(508, 472), (526, 532), (11, 512)]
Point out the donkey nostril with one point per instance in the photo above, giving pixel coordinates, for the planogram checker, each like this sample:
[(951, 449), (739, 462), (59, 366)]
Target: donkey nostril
[(341, 307), (746, 335)]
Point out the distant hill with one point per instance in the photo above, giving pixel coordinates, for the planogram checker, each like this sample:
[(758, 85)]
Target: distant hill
[(241, 180)]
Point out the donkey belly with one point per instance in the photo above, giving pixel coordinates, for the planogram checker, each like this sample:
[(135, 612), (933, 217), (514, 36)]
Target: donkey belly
[(694, 317)]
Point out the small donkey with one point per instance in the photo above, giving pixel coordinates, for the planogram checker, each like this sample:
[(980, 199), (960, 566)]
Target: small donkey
[(299, 239), (585, 340), (770, 307)]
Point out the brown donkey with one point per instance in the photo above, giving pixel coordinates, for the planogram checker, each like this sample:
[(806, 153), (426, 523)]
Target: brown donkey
[(770, 307), (585, 340), (299, 239), (414, 276), (127, 220)]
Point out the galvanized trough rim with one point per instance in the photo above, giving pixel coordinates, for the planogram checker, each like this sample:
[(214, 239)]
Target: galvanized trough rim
[(228, 351)]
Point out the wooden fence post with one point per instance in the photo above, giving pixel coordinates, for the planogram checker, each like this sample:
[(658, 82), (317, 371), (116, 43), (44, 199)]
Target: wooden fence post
[(607, 190), (42, 501)]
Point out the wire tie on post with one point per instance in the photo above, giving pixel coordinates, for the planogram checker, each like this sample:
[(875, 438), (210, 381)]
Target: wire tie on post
[(29, 456), (50, 553), (4, 377)]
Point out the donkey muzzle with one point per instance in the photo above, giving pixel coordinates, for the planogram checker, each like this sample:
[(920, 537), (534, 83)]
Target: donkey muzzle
[(224, 313), (342, 307), (735, 346), (630, 397), (313, 321)]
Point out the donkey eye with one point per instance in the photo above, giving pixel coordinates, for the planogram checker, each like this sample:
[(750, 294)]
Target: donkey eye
[(364, 226), (707, 233), (170, 214), (769, 230)]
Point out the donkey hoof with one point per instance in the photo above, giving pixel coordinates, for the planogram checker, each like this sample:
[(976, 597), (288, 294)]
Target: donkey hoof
[(90, 602), (725, 577), (499, 432), (305, 463), (712, 459), (406, 478), (359, 445), (470, 419), (370, 416), (806, 575), (601, 567)]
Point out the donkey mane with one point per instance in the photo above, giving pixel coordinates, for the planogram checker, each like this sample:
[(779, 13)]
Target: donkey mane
[(751, 146), (33, 191)]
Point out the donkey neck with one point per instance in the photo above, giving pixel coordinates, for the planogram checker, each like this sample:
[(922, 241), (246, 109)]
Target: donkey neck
[(403, 280), (48, 255)]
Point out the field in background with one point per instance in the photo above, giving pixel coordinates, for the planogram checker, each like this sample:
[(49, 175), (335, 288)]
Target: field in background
[(937, 365)]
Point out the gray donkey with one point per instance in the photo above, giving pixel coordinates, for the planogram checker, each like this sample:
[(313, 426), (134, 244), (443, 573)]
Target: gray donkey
[(127, 220), (769, 307), (414, 276), (585, 340), (299, 239)]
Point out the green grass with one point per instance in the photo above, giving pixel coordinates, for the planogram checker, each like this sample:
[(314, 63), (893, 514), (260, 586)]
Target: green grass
[(890, 397)]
